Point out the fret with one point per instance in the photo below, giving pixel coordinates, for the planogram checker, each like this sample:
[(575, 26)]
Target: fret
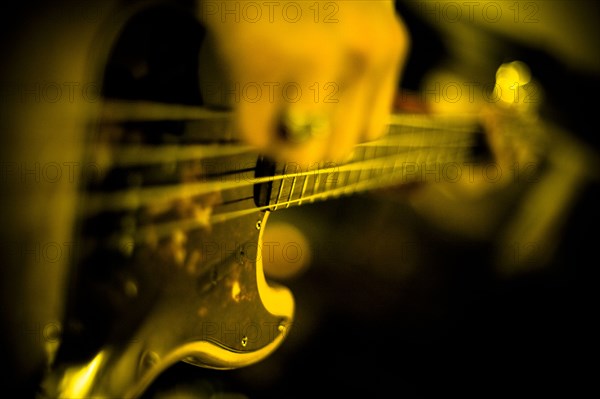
[(368, 173), (396, 172), (389, 161), (346, 185), (291, 192), (403, 159), (388, 164), (303, 190), (353, 186), (393, 176), (358, 175), (377, 172), (294, 172), (380, 173), (330, 179), (372, 175), (336, 180), (278, 199), (317, 179)]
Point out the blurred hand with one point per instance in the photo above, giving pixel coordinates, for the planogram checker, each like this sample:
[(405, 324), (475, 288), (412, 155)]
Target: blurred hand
[(333, 65)]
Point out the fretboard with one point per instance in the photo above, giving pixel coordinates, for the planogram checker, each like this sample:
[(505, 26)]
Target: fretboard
[(417, 149)]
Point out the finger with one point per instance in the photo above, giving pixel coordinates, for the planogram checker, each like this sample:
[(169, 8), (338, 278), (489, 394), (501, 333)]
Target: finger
[(380, 107), (348, 120), (308, 108), (386, 81), (255, 121), (302, 133)]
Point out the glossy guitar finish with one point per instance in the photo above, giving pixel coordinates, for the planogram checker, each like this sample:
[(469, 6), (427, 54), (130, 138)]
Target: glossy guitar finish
[(144, 290)]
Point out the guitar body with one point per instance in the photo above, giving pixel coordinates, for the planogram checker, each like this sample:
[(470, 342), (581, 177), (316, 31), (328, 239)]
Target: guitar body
[(111, 295)]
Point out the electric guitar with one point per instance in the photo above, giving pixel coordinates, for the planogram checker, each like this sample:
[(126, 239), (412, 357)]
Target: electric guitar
[(158, 209)]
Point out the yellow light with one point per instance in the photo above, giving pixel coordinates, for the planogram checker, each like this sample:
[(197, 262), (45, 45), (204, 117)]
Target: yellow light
[(235, 291), (77, 382), (510, 79)]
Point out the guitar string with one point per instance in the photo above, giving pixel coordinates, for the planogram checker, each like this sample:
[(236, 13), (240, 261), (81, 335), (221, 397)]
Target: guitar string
[(136, 198), (125, 198), (140, 155), (413, 142), (394, 176), (157, 231), (112, 111), (166, 229)]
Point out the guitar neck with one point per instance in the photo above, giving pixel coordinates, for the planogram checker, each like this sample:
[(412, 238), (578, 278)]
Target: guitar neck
[(418, 148)]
